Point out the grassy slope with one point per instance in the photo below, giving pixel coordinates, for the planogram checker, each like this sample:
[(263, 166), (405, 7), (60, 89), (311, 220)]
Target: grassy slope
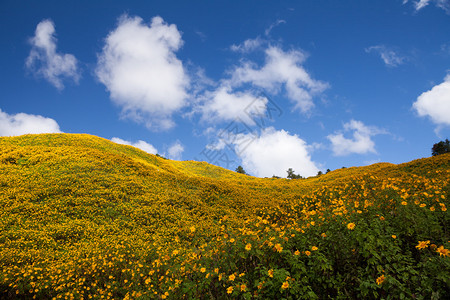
[(71, 196)]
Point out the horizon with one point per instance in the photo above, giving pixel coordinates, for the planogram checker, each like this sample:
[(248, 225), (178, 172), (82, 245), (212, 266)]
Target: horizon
[(310, 86)]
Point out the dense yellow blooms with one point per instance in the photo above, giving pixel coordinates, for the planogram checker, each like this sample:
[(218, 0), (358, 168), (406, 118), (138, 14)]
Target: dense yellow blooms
[(82, 217)]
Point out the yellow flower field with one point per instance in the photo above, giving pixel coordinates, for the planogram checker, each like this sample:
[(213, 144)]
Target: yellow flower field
[(84, 218)]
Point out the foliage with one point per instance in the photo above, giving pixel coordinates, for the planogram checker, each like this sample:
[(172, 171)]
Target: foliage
[(82, 218), (441, 148), (241, 170), (292, 175)]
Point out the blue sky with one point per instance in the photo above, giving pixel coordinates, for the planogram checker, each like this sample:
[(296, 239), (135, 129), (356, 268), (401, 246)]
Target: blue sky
[(269, 85)]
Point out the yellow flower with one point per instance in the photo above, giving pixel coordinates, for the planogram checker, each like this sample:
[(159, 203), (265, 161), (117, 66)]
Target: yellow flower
[(380, 279), (422, 245), (248, 247), (278, 248), (404, 203), (314, 248), (307, 253), (203, 270), (229, 290), (232, 240), (285, 285), (231, 277), (432, 208), (324, 235), (382, 218), (351, 226), (243, 287), (192, 229), (175, 252), (297, 252), (270, 272), (442, 251), (394, 236)]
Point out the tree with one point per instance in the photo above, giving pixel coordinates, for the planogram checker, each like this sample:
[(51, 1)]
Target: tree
[(328, 171), (241, 170), (292, 175), (319, 173), (441, 148)]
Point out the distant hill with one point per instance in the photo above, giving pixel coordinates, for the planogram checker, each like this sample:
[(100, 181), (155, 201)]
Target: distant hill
[(81, 215)]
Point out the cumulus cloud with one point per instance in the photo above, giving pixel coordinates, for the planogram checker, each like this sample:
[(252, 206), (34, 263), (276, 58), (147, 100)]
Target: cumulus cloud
[(139, 68), (224, 105), (144, 146), (435, 103), (281, 69), (360, 143), (44, 61), (273, 152), (21, 123), (389, 56), (175, 151)]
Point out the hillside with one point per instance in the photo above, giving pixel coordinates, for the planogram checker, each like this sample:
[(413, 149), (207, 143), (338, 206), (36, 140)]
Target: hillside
[(81, 216)]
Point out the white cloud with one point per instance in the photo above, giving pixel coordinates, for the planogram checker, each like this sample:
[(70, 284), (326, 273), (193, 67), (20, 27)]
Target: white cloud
[(21, 123), (389, 56), (175, 151), (139, 68), (360, 143), (281, 69), (273, 25), (46, 62), (223, 105), (144, 146), (273, 152), (435, 103), (444, 4), (420, 4), (247, 46)]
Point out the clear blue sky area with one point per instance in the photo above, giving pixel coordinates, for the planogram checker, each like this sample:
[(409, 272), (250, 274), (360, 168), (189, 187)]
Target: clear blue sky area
[(269, 85)]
